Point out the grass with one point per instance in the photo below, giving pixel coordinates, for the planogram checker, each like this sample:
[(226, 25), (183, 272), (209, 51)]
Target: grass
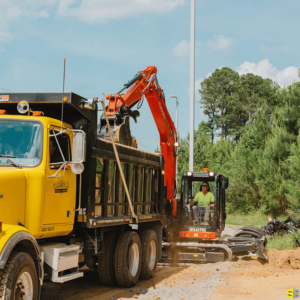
[(252, 219), (283, 242), (257, 219)]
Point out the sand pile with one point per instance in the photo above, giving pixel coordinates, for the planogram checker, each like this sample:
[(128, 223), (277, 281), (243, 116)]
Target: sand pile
[(285, 258)]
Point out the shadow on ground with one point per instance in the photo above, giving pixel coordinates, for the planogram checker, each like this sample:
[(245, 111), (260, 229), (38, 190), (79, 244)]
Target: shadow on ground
[(250, 259), (88, 287)]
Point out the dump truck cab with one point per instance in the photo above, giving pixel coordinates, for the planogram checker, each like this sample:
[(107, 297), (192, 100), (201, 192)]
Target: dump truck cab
[(35, 190)]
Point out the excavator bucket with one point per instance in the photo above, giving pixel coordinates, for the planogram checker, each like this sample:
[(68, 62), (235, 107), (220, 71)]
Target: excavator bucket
[(120, 128)]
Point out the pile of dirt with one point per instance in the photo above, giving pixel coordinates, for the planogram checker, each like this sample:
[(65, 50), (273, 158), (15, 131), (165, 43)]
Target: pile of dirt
[(285, 258)]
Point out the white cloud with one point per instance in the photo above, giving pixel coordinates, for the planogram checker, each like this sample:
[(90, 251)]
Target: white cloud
[(198, 86), (182, 49), (12, 10), (220, 42), (92, 11), (89, 11), (266, 70)]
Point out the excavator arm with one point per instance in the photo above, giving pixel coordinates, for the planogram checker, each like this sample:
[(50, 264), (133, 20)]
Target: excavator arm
[(119, 110)]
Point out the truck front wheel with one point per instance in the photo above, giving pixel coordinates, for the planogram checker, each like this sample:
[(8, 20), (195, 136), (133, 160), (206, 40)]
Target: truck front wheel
[(128, 259), (18, 281)]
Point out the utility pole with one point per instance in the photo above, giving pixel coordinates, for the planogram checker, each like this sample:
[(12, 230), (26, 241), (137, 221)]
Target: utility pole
[(192, 86)]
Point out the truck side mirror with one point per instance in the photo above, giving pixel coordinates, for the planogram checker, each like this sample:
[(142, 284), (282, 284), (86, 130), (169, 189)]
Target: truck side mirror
[(78, 152)]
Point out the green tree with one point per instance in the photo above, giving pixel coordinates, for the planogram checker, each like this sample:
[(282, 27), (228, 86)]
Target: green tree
[(216, 93), (230, 100), (293, 183)]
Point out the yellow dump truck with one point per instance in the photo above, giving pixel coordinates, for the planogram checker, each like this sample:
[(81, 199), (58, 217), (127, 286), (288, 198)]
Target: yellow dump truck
[(62, 201)]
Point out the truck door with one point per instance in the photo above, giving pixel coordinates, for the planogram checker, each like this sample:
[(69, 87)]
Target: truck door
[(60, 192)]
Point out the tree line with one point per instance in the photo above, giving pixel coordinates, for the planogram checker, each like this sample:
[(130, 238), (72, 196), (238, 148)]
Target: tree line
[(252, 137), (230, 100)]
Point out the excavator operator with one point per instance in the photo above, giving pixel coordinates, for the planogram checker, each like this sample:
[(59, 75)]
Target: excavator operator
[(204, 198)]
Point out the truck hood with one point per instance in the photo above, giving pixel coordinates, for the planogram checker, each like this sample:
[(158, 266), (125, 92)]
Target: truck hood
[(12, 195)]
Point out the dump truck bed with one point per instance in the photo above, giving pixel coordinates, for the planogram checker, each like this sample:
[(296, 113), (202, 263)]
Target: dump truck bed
[(144, 178)]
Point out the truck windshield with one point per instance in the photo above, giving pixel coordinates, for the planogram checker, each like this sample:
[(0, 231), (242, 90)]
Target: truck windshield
[(20, 143)]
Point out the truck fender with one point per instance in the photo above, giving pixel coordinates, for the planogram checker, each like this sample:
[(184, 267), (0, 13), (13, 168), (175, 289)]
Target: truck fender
[(13, 241)]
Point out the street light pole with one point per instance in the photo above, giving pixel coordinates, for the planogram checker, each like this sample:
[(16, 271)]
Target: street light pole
[(177, 136), (192, 86)]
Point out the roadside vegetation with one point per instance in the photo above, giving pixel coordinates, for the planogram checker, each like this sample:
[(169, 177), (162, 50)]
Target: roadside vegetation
[(283, 241), (253, 218), (252, 137)]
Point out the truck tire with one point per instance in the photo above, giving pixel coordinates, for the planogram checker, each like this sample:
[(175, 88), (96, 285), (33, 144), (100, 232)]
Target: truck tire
[(149, 254), (106, 268), (128, 259), (19, 278)]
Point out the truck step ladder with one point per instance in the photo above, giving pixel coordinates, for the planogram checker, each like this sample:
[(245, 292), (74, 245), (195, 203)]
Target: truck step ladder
[(60, 258)]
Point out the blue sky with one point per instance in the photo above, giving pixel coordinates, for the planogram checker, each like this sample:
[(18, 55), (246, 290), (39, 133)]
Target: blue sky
[(106, 42)]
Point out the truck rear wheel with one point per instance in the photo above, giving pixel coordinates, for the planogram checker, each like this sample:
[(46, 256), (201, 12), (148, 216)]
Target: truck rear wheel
[(149, 253), (128, 259), (106, 268), (18, 281)]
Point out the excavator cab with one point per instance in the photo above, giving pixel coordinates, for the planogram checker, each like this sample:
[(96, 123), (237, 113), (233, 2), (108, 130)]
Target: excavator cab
[(190, 237), (197, 221)]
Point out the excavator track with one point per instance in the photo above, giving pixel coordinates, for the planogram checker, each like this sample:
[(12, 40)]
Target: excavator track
[(195, 252), (192, 252)]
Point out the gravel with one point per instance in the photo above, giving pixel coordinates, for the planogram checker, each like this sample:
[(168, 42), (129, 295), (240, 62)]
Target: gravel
[(193, 283)]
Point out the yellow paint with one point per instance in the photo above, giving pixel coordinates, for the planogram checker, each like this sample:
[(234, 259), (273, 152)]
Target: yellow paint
[(81, 218), (12, 187), (29, 196), (7, 232), (60, 195), (195, 255)]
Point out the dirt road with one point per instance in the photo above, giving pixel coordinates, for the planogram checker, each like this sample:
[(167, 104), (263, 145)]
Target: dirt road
[(247, 278)]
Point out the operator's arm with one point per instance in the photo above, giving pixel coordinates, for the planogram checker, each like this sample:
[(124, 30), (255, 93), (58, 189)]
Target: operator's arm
[(195, 201), (212, 200)]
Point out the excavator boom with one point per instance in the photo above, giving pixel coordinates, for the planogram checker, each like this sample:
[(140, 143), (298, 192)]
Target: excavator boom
[(119, 110)]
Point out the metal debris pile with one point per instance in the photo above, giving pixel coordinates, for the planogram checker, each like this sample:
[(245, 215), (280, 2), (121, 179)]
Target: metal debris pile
[(287, 226)]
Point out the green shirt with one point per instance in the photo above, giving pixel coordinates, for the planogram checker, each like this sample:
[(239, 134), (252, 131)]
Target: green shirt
[(204, 200)]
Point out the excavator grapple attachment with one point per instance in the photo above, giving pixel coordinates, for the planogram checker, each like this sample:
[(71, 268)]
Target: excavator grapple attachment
[(120, 128)]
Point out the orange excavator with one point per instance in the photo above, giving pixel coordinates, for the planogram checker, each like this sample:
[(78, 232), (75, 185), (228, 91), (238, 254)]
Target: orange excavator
[(187, 238), (119, 110)]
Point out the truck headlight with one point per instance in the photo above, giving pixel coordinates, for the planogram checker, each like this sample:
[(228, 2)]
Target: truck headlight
[(211, 173)]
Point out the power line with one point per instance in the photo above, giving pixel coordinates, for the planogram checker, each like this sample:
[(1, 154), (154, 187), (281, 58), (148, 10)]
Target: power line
[(25, 54), (6, 90), (32, 77), (144, 146)]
